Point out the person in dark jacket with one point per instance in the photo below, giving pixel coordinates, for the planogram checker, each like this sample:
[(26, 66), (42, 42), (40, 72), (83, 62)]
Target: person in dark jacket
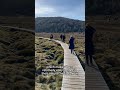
[(89, 47), (51, 36), (63, 37), (71, 44)]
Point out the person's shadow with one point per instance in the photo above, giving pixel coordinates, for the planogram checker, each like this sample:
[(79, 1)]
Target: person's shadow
[(89, 47)]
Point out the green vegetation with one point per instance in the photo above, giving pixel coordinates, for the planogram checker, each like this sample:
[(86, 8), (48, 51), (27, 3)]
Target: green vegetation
[(48, 53), (58, 25), (107, 57), (79, 41), (16, 67)]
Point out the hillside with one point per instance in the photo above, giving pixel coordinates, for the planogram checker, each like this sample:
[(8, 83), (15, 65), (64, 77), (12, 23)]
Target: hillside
[(58, 24)]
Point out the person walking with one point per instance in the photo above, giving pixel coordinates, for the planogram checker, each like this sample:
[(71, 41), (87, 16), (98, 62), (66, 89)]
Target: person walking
[(89, 47), (51, 36), (63, 37), (71, 44)]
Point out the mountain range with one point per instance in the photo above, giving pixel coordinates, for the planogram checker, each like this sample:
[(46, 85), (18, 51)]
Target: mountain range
[(58, 25)]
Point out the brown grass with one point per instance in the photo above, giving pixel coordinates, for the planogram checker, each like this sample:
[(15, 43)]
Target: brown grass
[(79, 41)]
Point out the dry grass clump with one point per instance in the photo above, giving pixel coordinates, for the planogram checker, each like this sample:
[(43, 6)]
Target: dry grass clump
[(107, 57), (16, 60), (79, 41), (48, 53)]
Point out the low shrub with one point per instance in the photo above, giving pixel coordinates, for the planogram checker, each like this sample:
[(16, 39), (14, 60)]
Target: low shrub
[(52, 87), (51, 79), (60, 59), (42, 79), (26, 52)]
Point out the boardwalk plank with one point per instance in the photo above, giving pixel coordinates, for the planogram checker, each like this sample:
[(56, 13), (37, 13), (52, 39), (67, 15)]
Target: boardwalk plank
[(76, 81)]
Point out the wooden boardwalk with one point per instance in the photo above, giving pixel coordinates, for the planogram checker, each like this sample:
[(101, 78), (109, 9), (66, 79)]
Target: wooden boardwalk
[(91, 79), (75, 78), (94, 79), (74, 75)]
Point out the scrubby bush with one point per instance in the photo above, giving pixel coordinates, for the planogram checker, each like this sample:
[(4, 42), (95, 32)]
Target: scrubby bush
[(29, 75), (13, 63), (39, 69), (26, 52), (109, 62), (19, 78), (43, 79), (15, 59), (22, 85), (52, 86), (19, 46), (60, 59), (53, 56), (43, 87), (51, 79)]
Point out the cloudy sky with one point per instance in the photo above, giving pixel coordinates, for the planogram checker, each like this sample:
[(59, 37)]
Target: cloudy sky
[(74, 9)]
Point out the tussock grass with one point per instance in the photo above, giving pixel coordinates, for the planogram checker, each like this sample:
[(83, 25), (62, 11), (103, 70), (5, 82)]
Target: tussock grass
[(48, 53), (16, 65), (107, 56)]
